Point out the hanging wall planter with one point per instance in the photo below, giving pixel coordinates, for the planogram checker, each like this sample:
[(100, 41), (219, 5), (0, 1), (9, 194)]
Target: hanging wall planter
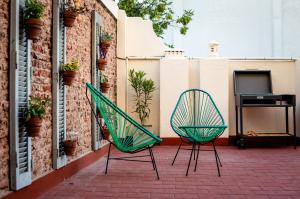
[(34, 10), (102, 63), (69, 72), (34, 115), (70, 144), (71, 11), (104, 85), (105, 132), (69, 18), (105, 41), (70, 147)]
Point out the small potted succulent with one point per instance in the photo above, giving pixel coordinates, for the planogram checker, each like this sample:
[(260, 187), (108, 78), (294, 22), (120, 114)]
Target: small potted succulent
[(102, 63), (70, 144), (69, 71), (104, 83), (34, 115), (34, 10), (105, 40), (71, 11)]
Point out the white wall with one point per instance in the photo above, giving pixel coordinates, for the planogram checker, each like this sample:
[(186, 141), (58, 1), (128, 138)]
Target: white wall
[(244, 28)]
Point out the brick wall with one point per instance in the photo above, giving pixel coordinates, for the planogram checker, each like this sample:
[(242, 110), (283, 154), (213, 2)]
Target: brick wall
[(4, 96), (78, 111)]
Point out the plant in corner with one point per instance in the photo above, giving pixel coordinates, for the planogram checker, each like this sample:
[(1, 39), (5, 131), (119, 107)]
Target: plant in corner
[(34, 115), (34, 10), (143, 89), (71, 11), (105, 40), (69, 71), (70, 144), (104, 83)]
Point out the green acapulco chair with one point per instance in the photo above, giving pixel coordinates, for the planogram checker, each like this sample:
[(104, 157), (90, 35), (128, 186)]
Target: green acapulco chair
[(196, 119), (127, 135)]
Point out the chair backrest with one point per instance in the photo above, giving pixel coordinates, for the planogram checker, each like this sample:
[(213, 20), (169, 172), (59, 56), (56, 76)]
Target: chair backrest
[(196, 108), (126, 133)]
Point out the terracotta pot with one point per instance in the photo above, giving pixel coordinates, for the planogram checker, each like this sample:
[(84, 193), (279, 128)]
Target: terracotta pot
[(106, 133), (34, 125), (104, 46), (105, 87), (70, 147), (69, 18), (99, 114), (101, 64), (33, 28), (69, 77)]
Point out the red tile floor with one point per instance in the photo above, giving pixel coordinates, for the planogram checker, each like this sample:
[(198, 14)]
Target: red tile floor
[(251, 173)]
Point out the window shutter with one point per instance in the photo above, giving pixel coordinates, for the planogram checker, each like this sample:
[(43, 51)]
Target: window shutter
[(20, 143), (96, 29), (59, 91)]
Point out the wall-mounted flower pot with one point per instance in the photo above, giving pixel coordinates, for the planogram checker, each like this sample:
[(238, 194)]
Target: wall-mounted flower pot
[(70, 147), (105, 87), (104, 46), (69, 77), (34, 125), (69, 18), (33, 28), (105, 132), (102, 63)]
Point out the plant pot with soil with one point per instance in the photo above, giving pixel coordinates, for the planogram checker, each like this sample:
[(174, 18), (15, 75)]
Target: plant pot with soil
[(34, 10), (102, 63), (70, 144), (105, 41), (104, 84), (34, 115), (69, 71)]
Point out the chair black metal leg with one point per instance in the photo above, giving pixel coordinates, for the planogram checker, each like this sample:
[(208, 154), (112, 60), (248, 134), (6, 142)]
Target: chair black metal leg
[(151, 159), (216, 156), (197, 157), (177, 153), (219, 160), (187, 171), (107, 158), (153, 162)]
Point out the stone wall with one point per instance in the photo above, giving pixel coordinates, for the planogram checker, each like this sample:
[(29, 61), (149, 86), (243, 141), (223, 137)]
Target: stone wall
[(78, 111), (4, 96), (79, 48)]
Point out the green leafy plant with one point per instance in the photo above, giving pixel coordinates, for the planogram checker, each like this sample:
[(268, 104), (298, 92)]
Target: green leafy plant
[(71, 66), (37, 107), (160, 12), (143, 93), (106, 37), (103, 79), (34, 9)]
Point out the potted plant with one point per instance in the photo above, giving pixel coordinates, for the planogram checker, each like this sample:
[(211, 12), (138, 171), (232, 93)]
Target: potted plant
[(105, 40), (34, 115), (70, 144), (105, 132), (102, 63), (34, 10), (143, 94), (71, 11), (104, 83), (69, 71)]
